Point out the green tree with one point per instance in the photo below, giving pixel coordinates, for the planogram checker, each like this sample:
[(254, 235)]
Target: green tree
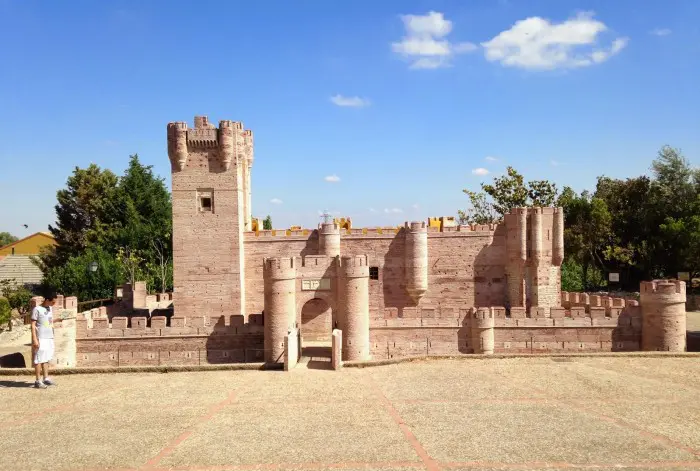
[(19, 297), (504, 194), (5, 313), (267, 223), (74, 277), (480, 212), (587, 236), (112, 221), (6, 238), (82, 214), (675, 190)]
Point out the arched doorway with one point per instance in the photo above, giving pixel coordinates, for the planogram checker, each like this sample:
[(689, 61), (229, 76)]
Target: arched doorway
[(316, 323)]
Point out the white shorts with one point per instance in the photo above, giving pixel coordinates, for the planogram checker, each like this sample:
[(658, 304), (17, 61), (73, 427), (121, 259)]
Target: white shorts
[(44, 353)]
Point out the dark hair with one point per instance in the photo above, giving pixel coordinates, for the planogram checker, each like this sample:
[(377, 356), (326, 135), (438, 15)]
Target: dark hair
[(49, 296)]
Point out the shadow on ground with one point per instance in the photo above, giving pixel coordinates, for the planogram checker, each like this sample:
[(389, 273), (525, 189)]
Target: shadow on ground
[(319, 357), (15, 384)]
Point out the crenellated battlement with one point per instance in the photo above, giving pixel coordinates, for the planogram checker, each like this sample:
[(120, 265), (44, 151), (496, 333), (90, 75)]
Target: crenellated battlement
[(416, 226), (483, 317), (279, 263), (316, 261), (665, 287), (353, 261), (353, 266), (227, 138), (329, 228), (235, 125)]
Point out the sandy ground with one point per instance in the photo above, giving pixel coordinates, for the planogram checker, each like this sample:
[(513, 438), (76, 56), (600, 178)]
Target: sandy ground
[(527, 413)]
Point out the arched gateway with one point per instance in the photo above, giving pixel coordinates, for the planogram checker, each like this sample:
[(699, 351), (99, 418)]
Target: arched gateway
[(340, 282)]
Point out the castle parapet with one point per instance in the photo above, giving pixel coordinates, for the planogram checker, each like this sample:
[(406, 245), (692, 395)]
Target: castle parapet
[(482, 327), (354, 266), (663, 315), (279, 268)]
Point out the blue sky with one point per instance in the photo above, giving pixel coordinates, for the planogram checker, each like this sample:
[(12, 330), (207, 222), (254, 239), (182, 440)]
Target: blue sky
[(430, 92)]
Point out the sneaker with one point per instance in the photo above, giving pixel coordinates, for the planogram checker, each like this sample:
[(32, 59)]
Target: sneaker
[(40, 385), (49, 382)]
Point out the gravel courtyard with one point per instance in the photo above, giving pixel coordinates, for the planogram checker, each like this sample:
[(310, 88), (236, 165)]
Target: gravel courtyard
[(521, 413)]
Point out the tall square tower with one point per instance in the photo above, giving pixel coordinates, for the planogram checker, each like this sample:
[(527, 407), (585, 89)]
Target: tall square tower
[(211, 209)]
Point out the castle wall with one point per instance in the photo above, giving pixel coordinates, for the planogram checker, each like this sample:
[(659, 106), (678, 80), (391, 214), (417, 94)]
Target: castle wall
[(465, 267), (183, 341), (437, 332)]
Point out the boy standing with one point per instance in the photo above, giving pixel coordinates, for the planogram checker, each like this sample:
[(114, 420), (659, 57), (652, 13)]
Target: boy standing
[(42, 341)]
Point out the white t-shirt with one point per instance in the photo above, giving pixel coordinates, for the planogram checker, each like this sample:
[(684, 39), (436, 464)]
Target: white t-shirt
[(44, 322)]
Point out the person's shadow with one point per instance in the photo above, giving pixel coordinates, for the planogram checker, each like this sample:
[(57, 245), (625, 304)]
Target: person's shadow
[(16, 384)]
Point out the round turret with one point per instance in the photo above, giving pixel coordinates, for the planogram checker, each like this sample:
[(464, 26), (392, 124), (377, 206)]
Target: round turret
[(482, 326), (663, 315), (226, 140), (558, 236), (329, 239), (177, 145), (537, 235), (280, 305), (416, 259), (353, 279)]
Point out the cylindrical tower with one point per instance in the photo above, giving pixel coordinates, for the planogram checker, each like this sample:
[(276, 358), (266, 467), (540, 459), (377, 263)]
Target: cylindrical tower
[(482, 330), (248, 139), (522, 234), (329, 239), (177, 145), (353, 277), (280, 305), (226, 140), (537, 250), (663, 315), (558, 236), (416, 259)]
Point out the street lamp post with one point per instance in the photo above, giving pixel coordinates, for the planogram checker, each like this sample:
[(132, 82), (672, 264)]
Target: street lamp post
[(92, 268)]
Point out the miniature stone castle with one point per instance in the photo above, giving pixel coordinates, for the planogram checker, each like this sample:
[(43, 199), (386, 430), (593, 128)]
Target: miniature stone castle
[(242, 294)]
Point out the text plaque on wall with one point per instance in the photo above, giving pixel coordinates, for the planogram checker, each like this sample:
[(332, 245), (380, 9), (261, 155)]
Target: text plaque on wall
[(323, 284)]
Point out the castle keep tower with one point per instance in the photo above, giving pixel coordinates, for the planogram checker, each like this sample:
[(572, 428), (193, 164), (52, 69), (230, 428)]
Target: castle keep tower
[(211, 209), (535, 252), (663, 315)]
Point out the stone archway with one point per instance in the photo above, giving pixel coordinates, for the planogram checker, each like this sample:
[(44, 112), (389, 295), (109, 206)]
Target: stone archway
[(316, 321)]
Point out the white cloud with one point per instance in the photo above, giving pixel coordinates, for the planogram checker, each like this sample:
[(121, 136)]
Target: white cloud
[(535, 43), (350, 101), (554, 163), (660, 31), (332, 178), (415, 206), (393, 210), (491, 158), (425, 44), (276, 201), (372, 210), (481, 171)]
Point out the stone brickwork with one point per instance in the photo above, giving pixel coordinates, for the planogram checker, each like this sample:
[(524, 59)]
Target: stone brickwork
[(426, 288), (161, 341), (210, 186)]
